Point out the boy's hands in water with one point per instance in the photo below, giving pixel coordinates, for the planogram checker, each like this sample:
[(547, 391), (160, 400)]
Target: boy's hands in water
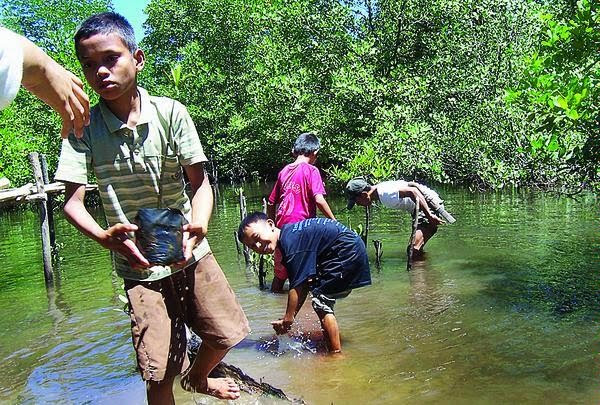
[(116, 238), (282, 326)]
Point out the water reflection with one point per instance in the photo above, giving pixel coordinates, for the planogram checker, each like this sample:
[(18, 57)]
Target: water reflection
[(428, 296), (55, 311), (504, 309)]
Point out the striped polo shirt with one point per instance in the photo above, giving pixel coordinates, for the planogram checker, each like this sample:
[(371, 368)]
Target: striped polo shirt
[(136, 168)]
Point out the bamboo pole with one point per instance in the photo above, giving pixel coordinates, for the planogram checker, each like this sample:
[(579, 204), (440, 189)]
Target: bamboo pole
[(409, 248), (28, 192), (261, 262), (17, 194), (237, 243), (378, 252), (214, 179), (365, 233), (34, 159), (215, 173), (50, 202), (243, 213), (261, 273)]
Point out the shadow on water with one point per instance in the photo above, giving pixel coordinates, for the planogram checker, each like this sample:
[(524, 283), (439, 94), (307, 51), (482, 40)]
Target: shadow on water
[(562, 282), (427, 293)]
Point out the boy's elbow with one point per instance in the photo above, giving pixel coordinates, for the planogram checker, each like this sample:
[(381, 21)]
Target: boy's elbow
[(69, 211), (74, 196), (412, 193)]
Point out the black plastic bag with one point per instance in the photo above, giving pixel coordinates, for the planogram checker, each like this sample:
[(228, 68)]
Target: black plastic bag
[(160, 235)]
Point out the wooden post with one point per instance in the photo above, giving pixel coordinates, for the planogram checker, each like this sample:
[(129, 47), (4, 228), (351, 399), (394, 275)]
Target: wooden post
[(261, 273), (261, 262), (213, 176), (365, 234), (243, 213), (215, 173), (50, 203), (409, 249), (34, 159), (378, 252), (237, 243)]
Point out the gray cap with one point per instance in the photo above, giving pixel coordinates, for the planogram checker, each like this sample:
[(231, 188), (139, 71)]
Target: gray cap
[(354, 188)]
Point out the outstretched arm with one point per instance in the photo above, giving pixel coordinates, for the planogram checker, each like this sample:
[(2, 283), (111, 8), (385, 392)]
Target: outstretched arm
[(323, 206), (296, 298), (55, 86), (114, 238)]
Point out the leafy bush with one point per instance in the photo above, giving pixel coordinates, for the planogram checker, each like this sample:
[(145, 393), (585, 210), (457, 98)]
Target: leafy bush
[(481, 92)]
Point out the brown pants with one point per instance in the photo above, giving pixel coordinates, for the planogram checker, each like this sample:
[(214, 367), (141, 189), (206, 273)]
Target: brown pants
[(198, 296)]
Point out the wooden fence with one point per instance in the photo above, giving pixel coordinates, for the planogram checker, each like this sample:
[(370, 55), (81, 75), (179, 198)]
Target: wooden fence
[(40, 192)]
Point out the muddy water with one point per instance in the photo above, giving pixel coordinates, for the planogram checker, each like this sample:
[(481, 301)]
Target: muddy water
[(504, 309)]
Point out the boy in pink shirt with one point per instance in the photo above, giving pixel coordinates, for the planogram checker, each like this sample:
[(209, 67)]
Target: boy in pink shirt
[(298, 192)]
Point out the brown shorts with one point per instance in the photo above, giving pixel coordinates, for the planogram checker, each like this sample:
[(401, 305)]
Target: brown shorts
[(198, 296)]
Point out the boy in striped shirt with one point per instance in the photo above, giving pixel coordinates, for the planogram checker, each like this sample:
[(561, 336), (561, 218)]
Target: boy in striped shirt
[(136, 145)]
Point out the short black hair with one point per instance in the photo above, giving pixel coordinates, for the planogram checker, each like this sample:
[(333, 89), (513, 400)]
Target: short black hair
[(250, 219), (106, 23), (306, 144)]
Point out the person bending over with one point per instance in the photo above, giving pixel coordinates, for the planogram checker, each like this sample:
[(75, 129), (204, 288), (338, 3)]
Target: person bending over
[(321, 256), (402, 195)]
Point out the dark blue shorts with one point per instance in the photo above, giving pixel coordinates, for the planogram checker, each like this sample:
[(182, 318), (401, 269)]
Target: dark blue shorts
[(343, 268)]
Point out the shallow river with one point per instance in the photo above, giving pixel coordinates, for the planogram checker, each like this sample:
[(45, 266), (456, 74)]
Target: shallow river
[(503, 310)]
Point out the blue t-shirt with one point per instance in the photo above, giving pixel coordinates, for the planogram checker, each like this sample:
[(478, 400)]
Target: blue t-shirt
[(326, 251)]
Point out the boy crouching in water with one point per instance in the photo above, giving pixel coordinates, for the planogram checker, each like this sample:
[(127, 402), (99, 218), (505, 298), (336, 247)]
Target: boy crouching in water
[(321, 256), (137, 146)]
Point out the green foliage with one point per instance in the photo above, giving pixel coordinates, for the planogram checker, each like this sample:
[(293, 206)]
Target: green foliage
[(559, 92), (393, 88), (256, 74), (28, 125), (483, 92), (439, 71)]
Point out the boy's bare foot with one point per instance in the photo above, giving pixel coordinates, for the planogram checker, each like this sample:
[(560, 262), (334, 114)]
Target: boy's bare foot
[(222, 388)]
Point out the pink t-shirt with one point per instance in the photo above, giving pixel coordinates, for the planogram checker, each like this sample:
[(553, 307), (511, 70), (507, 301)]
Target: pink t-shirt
[(295, 190)]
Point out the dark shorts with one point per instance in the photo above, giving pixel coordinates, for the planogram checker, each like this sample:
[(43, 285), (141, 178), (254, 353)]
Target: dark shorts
[(343, 268), (324, 303), (198, 296)]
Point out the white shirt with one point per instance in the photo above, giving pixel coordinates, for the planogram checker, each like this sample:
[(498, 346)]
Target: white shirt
[(11, 66), (388, 195)]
